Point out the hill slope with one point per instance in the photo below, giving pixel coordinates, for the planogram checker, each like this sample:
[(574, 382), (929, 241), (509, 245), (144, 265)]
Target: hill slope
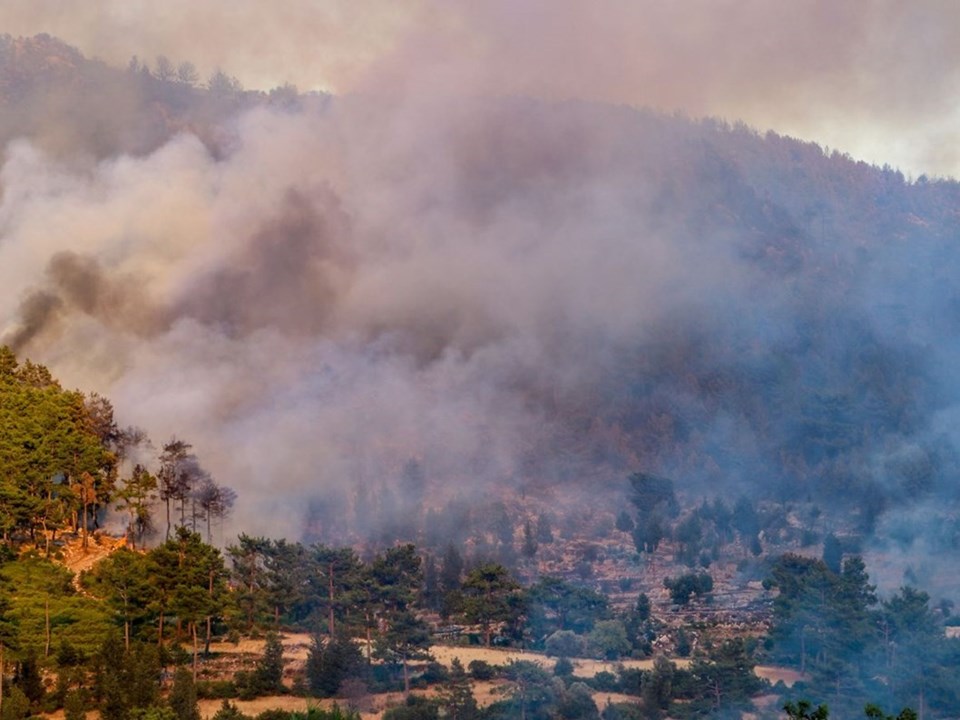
[(511, 293)]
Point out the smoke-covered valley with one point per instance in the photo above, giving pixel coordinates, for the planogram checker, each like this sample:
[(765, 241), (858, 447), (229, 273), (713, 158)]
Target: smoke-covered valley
[(525, 296)]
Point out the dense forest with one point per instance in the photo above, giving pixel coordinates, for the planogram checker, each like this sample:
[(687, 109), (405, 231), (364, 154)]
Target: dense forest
[(571, 380)]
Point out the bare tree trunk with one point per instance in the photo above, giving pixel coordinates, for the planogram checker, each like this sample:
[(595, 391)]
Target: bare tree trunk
[(46, 537), (126, 624), (487, 629), (160, 632), (46, 627), (330, 594), (206, 645), (193, 627)]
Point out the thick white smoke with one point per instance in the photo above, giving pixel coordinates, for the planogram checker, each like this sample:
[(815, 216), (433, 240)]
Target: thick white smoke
[(346, 289)]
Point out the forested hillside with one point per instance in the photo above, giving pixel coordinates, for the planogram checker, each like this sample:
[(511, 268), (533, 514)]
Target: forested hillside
[(560, 376), (60, 462), (665, 594), (67, 103), (739, 312)]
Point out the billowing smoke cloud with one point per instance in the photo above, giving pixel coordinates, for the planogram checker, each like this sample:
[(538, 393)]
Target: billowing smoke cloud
[(873, 78), (509, 290), (346, 290)]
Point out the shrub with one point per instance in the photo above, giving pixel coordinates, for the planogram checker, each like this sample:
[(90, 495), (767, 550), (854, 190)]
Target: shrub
[(415, 708), (384, 678), (435, 673), (216, 689), (577, 704), (268, 676), (74, 706), (481, 670), (564, 643), (605, 682), (563, 668), (229, 711), (274, 714), (630, 681), (608, 639), (684, 587), (330, 663), (622, 711), (183, 696), (154, 712), (334, 713), (16, 705)]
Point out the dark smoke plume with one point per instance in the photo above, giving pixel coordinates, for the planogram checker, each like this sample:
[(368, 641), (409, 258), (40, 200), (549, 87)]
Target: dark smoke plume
[(36, 311)]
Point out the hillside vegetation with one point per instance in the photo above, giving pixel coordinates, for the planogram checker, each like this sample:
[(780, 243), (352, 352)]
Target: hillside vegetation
[(562, 377), (638, 586)]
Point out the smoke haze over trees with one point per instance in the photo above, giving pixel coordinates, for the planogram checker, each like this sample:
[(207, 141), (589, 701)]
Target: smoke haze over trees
[(63, 459), (510, 292), (874, 78)]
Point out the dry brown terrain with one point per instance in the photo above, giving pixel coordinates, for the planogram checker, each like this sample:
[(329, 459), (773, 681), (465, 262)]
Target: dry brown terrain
[(77, 559), (774, 674), (582, 667), (378, 703), (244, 654), (296, 647)]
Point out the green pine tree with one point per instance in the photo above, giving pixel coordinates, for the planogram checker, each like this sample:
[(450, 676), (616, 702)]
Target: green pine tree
[(183, 695)]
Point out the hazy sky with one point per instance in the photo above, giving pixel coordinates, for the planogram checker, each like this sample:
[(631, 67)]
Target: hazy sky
[(879, 79)]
